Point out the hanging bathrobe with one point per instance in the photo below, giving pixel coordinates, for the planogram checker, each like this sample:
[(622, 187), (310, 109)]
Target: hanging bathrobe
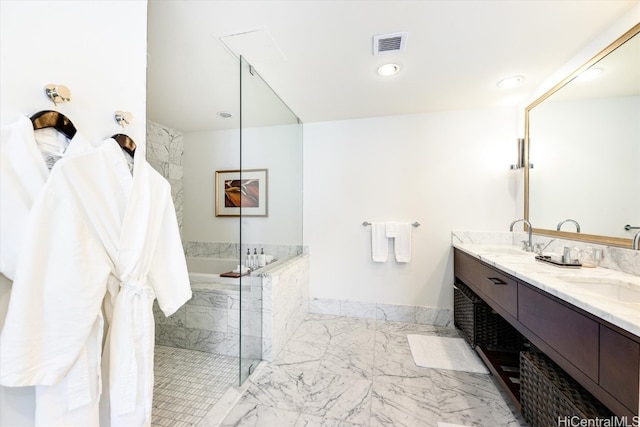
[(26, 157), (97, 230)]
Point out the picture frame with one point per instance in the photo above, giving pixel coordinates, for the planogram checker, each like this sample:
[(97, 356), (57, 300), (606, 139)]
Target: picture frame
[(241, 191)]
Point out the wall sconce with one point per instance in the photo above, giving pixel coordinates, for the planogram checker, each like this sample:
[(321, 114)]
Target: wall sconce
[(520, 159)]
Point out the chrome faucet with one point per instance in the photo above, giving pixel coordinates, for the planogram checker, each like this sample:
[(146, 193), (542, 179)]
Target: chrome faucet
[(636, 242), (529, 244), (569, 220)]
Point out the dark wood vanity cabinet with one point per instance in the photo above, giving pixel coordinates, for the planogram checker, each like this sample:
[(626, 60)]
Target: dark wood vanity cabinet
[(619, 366), (602, 357), (569, 333), (489, 283)]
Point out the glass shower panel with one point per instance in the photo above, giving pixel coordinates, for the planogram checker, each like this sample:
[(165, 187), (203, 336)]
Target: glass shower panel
[(271, 208)]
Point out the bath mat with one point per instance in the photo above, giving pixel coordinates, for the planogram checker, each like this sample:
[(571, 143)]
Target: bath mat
[(453, 354)]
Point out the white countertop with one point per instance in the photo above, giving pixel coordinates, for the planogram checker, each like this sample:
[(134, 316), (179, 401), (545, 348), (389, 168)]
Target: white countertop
[(611, 295)]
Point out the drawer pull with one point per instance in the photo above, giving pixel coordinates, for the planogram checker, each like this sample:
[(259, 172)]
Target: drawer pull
[(496, 281)]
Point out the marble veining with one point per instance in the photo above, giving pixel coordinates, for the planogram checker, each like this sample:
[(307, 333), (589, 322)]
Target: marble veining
[(350, 372), (601, 301), (385, 312), (164, 152)]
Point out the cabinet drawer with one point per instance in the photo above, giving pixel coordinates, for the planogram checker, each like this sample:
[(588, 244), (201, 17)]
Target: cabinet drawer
[(487, 282), (619, 368), (570, 333)]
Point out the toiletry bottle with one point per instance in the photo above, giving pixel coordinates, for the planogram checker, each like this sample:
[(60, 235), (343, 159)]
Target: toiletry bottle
[(247, 259), (263, 258), (255, 258)]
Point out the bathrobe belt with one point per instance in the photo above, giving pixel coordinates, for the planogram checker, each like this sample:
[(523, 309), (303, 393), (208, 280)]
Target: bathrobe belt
[(130, 331)]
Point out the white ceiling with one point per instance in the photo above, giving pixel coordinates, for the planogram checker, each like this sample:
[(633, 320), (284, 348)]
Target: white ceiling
[(320, 59)]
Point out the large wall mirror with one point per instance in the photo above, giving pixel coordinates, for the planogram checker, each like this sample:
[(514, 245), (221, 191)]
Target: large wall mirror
[(583, 139)]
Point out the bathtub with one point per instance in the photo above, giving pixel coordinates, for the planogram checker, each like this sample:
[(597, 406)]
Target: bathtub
[(205, 272)]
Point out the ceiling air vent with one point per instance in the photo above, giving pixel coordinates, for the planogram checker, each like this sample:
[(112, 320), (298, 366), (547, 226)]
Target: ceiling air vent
[(394, 42)]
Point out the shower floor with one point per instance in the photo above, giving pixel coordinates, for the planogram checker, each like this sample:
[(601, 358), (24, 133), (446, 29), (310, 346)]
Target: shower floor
[(188, 383)]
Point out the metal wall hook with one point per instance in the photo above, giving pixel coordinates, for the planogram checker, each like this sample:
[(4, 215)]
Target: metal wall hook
[(57, 93), (123, 118)]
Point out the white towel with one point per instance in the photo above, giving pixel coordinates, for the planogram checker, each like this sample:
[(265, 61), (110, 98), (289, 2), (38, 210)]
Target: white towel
[(379, 242), (401, 233)]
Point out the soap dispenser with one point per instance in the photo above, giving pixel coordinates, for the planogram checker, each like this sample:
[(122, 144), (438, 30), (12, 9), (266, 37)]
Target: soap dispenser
[(262, 260), (247, 259)]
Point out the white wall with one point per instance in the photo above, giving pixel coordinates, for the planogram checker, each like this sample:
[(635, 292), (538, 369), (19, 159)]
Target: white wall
[(95, 48), (276, 148), (446, 170)]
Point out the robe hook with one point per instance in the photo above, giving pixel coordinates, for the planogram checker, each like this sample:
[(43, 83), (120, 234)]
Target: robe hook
[(123, 118), (57, 93)]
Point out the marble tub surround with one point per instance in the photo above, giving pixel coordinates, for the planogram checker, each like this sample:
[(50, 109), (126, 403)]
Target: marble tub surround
[(384, 312), (285, 302), (209, 321), (345, 371), (610, 294), (233, 250), (274, 302)]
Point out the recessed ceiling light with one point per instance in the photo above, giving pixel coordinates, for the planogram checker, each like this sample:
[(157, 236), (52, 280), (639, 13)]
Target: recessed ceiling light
[(589, 73), (510, 82), (388, 69), (224, 114)]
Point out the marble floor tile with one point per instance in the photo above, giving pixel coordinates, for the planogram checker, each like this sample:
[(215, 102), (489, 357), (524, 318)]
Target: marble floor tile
[(255, 415), (353, 362), (402, 406), (345, 372)]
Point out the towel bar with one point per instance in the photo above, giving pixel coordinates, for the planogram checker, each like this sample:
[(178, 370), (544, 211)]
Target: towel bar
[(367, 223)]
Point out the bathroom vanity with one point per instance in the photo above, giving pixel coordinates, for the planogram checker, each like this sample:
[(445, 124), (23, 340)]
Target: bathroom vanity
[(586, 320)]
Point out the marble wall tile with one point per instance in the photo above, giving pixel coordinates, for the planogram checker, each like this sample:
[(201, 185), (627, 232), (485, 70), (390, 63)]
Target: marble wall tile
[(396, 313), (165, 147), (434, 316), (207, 341), (286, 289), (251, 323), (358, 309), (210, 298), (207, 318), (324, 306), (251, 346), (384, 312), (177, 319), (171, 336)]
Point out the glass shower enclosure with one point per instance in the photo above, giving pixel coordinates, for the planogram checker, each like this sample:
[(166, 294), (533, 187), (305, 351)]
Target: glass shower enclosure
[(270, 223)]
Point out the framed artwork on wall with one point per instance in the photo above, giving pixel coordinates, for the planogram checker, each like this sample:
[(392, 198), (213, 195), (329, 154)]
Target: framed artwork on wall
[(244, 191)]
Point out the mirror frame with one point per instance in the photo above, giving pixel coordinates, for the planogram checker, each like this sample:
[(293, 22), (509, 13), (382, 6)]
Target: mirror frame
[(592, 238)]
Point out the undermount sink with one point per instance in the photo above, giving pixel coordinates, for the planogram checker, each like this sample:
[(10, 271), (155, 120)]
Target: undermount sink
[(608, 288), (506, 251)]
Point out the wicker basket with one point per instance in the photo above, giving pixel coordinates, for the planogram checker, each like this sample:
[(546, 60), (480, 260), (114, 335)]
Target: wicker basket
[(549, 395), (480, 325)]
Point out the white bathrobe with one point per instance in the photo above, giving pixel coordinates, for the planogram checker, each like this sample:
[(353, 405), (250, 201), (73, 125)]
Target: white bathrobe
[(23, 173), (25, 159), (95, 229)]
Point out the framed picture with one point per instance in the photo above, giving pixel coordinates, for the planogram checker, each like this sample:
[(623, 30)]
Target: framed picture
[(244, 191)]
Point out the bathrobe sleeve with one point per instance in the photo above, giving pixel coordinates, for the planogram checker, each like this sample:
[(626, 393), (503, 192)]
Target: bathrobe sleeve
[(168, 273)]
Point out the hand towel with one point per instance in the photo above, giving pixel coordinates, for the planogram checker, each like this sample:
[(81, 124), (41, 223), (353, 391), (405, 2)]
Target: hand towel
[(379, 242), (401, 233)]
